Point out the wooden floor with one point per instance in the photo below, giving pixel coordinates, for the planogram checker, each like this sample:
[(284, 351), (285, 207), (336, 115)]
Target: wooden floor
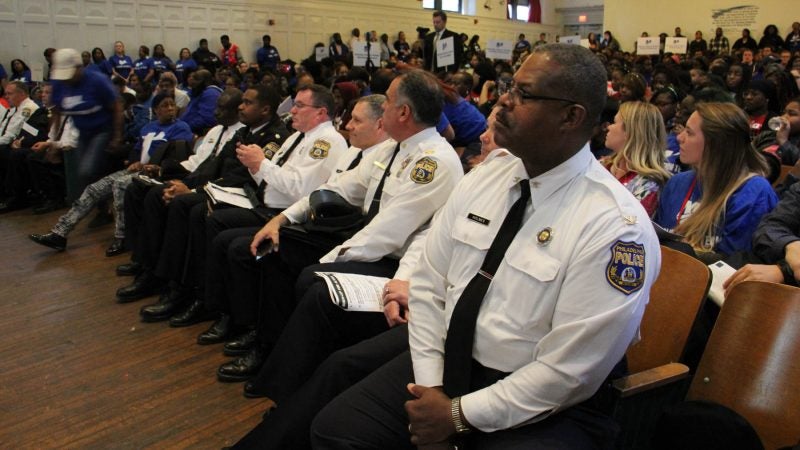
[(78, 370)]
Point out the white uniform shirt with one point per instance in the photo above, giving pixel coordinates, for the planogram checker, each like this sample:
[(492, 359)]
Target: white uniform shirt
[(551, 317), (17, 116), (309, 165), (208, 144), (424, 173)]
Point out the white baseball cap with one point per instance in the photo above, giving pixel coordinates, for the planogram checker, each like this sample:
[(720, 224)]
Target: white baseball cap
[(65, 61)]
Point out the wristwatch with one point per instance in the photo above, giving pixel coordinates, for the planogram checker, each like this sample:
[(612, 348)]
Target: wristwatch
[(455, 414), (788, 273)]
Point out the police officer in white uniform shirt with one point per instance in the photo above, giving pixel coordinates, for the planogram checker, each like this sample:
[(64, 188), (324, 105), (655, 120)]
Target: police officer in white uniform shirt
[(23, 108), (530, 288)]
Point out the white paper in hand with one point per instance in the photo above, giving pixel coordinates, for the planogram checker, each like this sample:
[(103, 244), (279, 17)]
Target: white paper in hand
[(720, 271)]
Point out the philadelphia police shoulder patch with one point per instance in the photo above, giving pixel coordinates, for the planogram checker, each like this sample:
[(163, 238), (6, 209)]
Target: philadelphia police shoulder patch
[(320, 149), (423, 171), (271, 149), (625, 270), (26, 112)]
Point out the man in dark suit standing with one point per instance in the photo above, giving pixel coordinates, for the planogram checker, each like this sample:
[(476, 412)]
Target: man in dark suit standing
[(440, 32)]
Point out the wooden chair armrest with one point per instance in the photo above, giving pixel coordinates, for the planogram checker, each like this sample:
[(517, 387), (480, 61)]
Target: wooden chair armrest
[(649, 379)]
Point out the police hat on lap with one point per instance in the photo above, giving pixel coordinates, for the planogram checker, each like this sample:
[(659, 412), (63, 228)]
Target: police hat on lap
[(65, 61), (329, 209)]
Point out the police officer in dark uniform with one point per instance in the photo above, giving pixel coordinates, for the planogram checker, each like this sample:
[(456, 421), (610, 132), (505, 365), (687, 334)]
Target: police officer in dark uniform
[(263, 128)]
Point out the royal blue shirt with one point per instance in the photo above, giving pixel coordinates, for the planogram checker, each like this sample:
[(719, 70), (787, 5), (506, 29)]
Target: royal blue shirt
[(268, 57), (3, 73), (176, 130), (103, 67), (199, 113), (90, 102), (121, 64), (161, 65), (184, 67), (468, 123), (142, 67), (25, 77), (743, 211)]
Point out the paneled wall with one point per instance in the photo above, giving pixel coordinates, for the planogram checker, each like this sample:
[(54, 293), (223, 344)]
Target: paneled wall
[(27, 27)]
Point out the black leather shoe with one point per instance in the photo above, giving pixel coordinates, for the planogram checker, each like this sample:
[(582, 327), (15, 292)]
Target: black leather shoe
[(218, 331), (168, 304), (241, 345), (242, 368), (117, 247), (129, 270), (51, 240), (145, 285), (100, 219), (49, 206), (195, 313), (251, 391)]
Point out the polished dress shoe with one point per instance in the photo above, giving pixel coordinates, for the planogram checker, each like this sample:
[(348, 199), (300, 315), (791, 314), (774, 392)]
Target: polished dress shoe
[(49, 206), (252, 391), (195, 313), (129, 270), (242, 368), (218, 331), (241, 345), (168, 304), (51, 240), (145, 285), (117, 247)]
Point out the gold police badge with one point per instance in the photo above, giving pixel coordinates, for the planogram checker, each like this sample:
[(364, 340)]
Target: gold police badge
[(320, 149), (270, 150), (423, 171)]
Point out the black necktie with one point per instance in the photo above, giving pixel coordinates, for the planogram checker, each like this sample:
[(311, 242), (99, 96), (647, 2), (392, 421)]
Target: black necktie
[(355, 161), (219, 140), (8, 121), (288, 153), (376, 199), (461, 333), (61, 129)]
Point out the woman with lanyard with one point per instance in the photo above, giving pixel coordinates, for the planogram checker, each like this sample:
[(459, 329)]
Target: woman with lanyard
[(717, 205)]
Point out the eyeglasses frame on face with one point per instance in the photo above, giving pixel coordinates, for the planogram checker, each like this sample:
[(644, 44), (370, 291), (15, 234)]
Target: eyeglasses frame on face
[(518, 96)]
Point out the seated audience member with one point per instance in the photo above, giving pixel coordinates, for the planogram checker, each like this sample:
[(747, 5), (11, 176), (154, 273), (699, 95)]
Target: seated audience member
[(199, 113), (23, 110), (344, 94), (184, 66), (667, 100), (788, 136), (736, 80), (785, 86), (760, 104), (637, 139), (166, 128), (168, 85), (161, 63), (143, 67), (632, 88), (20, 71), (467, 121), (717, 205), (470, 377)]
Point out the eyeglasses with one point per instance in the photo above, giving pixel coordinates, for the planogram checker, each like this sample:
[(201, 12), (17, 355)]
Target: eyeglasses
[(518, 96), (300, 105)]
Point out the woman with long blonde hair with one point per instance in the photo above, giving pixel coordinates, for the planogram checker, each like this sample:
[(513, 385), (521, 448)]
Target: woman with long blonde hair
[(638, 139), (717, 205)]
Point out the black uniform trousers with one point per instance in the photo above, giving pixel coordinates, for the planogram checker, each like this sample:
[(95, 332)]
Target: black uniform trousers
[(171, 257), (47, 178), (288, 425), (17, 180), (317, 328), (145, 217), (371, 414), (224, 274)]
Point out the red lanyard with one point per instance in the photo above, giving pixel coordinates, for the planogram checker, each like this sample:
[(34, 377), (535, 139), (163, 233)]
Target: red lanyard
[(685, 200)]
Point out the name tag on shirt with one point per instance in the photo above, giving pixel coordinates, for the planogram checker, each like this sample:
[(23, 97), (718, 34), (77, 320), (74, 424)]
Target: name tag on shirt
[(29, 129), (479, 219)]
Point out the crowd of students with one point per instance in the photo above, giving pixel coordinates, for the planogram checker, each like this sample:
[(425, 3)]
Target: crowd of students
[(689, 136)]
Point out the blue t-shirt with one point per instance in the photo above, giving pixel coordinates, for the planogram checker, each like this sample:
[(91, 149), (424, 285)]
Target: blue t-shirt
[(90, 102), (159, 133), (743, 211), (184, 67), (268, 57), (25, 77), (142, 67), (468, 123), (121, 64), (3, 73), (103, 67), (161, 65)]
